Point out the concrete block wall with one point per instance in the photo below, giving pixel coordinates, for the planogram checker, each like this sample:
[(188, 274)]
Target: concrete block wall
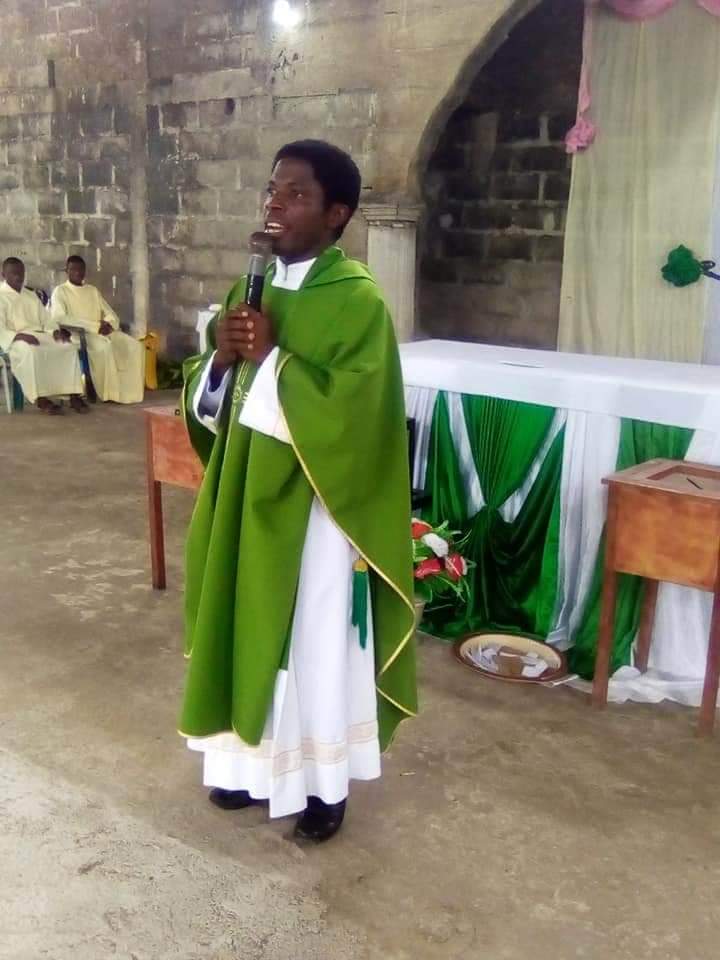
[(497, 191), (212, 135), (64, 189), (140, 132), (65, 155)]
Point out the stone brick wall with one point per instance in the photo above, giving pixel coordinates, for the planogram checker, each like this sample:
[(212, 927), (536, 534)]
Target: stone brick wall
[(497, 190), (139, 132), (64, 188), (65, 150), (206, 103), (214, 122)]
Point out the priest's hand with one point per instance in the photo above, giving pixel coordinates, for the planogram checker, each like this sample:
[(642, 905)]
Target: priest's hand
[(27, 338), (106, 329), (226, 355), (61, 335), (246, 332)]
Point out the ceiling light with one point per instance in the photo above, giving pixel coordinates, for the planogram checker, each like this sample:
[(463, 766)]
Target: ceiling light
[(285, 14)]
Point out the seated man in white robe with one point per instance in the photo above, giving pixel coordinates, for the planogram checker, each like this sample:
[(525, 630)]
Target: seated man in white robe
[(42, 359), (117, 361)]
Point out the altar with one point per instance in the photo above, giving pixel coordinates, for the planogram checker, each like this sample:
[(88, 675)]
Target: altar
[(512, 446)]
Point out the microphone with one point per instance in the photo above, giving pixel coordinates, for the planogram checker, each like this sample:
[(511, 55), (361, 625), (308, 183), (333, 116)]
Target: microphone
[(260, 245), (260, 254)]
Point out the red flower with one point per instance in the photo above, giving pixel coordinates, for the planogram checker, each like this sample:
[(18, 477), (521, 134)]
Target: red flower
[(455, 566), (428, 568), (420, 528)]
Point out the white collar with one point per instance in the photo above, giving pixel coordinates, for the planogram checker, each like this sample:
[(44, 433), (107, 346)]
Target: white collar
[(6, 288), (291, 276)]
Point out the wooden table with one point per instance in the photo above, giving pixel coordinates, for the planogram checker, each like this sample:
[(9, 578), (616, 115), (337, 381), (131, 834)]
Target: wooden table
[(663, 524), (170, 459)]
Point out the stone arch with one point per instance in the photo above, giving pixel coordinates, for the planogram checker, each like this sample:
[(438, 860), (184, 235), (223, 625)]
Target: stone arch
[(411, 117), (446, 105), (493, 177)]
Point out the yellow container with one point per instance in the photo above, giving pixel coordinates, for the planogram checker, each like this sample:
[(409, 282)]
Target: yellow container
[(152, 342)]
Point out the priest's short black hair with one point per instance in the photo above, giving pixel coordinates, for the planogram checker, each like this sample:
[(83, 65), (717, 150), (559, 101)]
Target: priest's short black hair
[(75, 258), (12, 262), (333, 168)]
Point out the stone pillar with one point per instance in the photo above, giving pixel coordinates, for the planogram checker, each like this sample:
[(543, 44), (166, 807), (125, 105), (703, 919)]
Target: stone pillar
[(392, 258), (139, 251)]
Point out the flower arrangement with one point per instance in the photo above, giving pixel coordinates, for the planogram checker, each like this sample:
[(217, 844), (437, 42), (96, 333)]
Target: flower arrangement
[(440, 569)]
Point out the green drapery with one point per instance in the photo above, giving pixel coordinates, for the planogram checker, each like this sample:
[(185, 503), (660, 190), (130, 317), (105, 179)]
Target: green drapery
[(514, 586), (516, 568), (549, 570), (515, 592), (443, 480), (639, 441)]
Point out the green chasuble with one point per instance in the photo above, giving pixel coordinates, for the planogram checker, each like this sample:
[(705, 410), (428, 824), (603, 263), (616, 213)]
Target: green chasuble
[(340, 389)]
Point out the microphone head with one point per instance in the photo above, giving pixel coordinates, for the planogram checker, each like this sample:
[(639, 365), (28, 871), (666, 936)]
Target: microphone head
[(261, 243)]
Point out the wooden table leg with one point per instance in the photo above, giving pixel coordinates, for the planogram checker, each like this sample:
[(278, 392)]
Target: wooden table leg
[(708, 706), (605, 639), (607, 611), (642, 651), (155, 516), (157, 536)]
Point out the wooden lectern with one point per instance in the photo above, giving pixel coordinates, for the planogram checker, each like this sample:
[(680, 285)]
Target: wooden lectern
[(663, 523)]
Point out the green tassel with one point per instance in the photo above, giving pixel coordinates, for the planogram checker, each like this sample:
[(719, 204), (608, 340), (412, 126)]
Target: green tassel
[(360, 600)]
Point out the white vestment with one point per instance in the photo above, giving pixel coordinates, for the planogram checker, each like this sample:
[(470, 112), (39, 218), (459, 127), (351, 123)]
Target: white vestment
[(50, 369), (322, 728), (117, 361)]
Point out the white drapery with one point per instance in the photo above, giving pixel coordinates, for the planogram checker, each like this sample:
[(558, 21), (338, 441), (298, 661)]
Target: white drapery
[(645, 186)]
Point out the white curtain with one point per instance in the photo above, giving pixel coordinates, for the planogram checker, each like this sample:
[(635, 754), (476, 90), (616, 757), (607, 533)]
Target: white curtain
[(644, 187), (711, 344)]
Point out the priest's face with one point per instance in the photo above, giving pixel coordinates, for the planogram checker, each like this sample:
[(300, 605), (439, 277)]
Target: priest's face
[(14, 274), (296, 214), (76, 273)]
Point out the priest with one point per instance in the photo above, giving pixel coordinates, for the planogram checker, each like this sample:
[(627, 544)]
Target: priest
[(117, 361), (299, 609), (43, 361)]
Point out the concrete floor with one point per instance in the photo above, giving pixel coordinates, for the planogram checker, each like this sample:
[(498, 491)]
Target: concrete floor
[(510, 823)]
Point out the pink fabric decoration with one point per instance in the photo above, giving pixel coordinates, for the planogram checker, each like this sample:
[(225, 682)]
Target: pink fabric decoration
[(643, 9), (639, 9), (583, 133), (580, 136)]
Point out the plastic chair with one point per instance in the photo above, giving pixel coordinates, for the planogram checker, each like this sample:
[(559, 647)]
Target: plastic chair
[(11, 391)]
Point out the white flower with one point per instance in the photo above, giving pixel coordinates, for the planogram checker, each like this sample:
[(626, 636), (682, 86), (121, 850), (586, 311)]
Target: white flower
[(438, 546)]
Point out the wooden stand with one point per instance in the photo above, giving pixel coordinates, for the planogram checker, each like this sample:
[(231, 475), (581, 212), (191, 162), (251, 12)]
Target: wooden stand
[(663, 524), (170, 459)]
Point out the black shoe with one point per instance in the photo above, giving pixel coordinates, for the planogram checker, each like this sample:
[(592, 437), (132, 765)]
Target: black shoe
[(50, 407), (320, 821), (78, 404), (232, 799)]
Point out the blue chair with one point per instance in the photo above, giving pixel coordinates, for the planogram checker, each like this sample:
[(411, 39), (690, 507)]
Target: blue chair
[(11, 389)]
